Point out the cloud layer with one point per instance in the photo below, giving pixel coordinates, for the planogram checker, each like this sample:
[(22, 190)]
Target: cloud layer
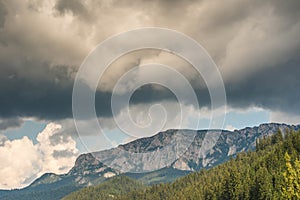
[(255, 44)]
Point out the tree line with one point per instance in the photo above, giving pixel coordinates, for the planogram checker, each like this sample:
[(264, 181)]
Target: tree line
[(272, 171)]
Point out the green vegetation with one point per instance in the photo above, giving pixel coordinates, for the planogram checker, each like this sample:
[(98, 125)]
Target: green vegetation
[(115, 186), (291, 186), (271, 172), (164, 175)]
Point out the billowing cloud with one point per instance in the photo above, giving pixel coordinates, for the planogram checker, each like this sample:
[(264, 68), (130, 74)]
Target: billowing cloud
[(22, 161), (42, 44), (19, 160), (59, 150)]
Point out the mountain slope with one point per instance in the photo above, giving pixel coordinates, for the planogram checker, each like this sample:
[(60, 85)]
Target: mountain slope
[(90, 171), (111, 188), (271, 172), (194, 157)]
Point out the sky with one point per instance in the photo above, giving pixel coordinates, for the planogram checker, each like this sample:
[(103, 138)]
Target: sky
[(254, 44)]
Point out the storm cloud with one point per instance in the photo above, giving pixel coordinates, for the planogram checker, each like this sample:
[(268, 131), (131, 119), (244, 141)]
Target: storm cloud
[(255, 44), (3, 13)]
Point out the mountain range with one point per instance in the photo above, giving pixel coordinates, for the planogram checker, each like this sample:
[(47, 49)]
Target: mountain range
[(97, 167)]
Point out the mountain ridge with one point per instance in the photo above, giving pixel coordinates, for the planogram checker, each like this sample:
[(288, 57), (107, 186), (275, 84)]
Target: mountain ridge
[(88, 170)]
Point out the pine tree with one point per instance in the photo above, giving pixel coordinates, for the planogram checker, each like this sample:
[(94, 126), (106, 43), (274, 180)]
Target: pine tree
[(263, 183), (291, 185)]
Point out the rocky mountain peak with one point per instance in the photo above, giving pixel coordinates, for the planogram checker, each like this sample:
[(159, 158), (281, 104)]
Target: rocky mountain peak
[(183, 146)]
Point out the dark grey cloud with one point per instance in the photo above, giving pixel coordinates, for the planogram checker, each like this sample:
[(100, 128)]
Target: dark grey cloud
[(274, 88), (74, 6), (10, 123), (3, 13), (3, 139), (45, 97), (43, 92), (63, 153), (255, 43)]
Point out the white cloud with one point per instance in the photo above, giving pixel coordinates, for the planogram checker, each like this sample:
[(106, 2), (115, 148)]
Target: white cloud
[(51, 142), (22, 161), (281, 117), (230, 128), (19, 162)]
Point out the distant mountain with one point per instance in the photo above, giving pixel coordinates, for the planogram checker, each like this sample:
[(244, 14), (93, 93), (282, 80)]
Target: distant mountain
[(90, 171), (269, 172), (194, 157)]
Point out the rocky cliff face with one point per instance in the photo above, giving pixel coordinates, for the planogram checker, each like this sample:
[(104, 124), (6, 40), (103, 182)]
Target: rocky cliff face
[(183, 149), (229, 144), (178, 149)]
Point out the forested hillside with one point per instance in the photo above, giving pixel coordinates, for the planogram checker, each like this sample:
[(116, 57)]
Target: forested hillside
[(116, 186), (271, 172)]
